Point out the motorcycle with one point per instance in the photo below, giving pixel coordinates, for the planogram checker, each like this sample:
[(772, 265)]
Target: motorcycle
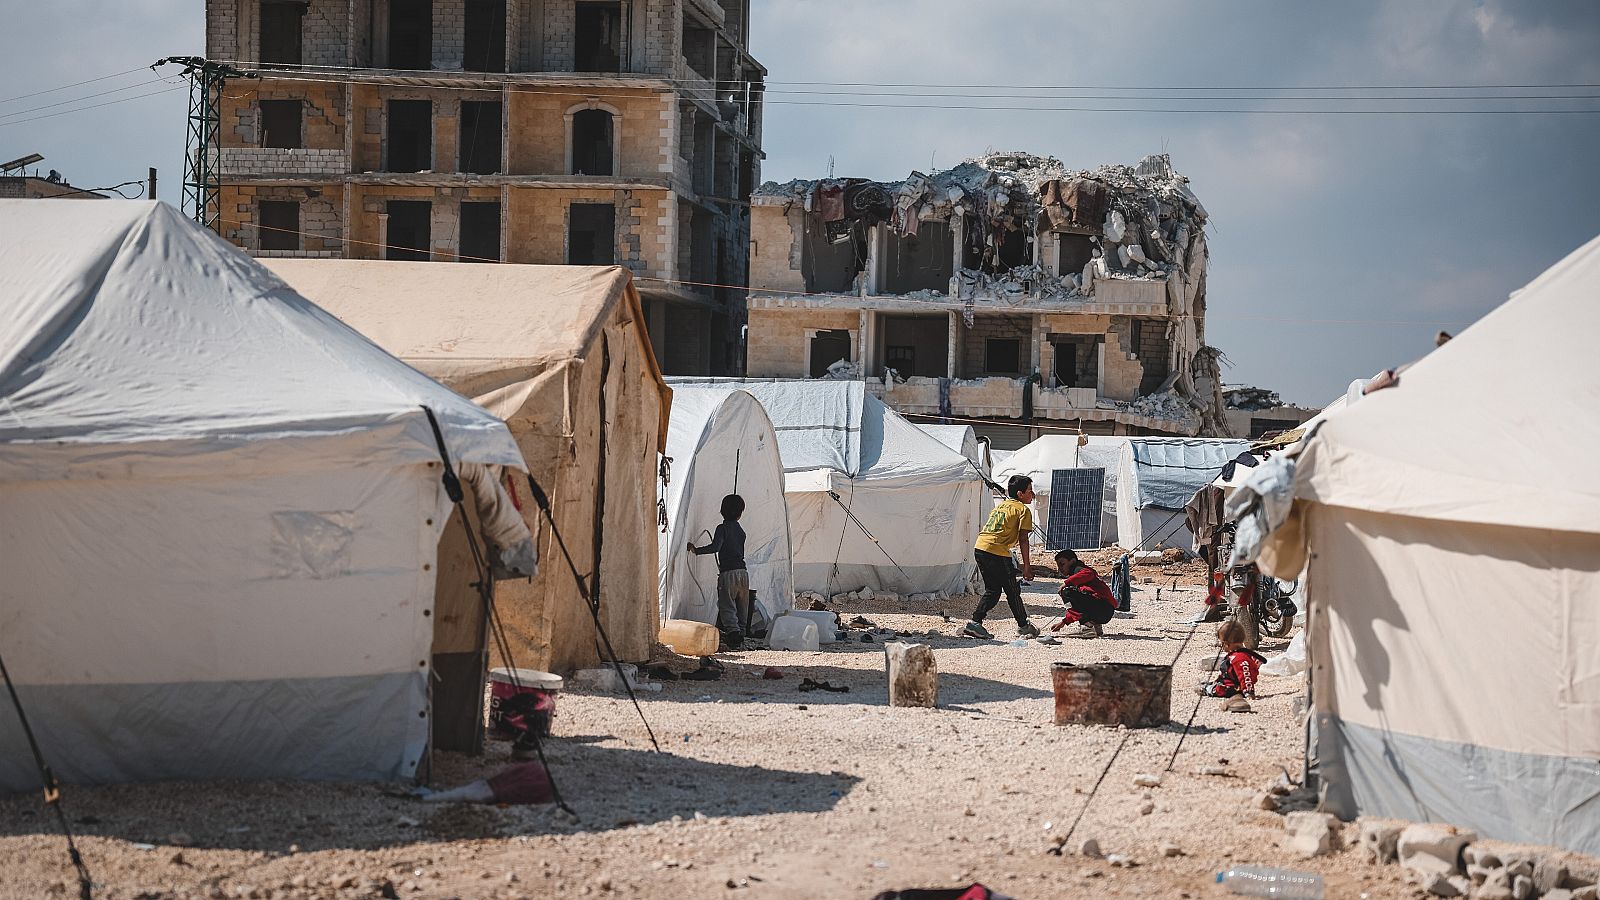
[(1264, 605)]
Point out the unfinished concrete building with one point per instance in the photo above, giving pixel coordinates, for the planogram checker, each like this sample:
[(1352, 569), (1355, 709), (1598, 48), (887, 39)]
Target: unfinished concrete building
[(1009, 290), (585, 132)]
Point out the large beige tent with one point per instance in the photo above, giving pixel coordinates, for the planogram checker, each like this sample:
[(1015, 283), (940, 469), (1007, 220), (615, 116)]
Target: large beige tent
[(554, 351), (1453, 530)]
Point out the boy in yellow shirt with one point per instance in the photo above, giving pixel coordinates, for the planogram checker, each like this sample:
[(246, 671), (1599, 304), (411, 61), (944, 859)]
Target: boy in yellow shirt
[(1009, 525)]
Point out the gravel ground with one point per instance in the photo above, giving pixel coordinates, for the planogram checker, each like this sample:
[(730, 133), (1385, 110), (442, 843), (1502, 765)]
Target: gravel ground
[(761, 791)]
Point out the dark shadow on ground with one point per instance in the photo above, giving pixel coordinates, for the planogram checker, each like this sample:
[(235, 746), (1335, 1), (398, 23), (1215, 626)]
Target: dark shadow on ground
[(602, 783), (868, 687)]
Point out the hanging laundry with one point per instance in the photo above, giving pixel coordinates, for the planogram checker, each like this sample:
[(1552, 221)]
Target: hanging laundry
[(830, 202)]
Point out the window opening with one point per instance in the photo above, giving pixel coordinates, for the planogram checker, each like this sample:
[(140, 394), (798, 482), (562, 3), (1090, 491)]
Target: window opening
[(591, 234), (1073, 253), (827, 348), (916, 345), (281, 32), (410, 229), (480, 231), (1067, 365), (410, 138), (921, 261), (592, 142), (280, 124), (1000, 356), (411, 34), (598, 47), (480, 137), (485, 27), (278, 224)]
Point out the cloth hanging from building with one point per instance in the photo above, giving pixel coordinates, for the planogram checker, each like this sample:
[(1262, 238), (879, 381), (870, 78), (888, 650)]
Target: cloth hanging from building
[(1088, 201), (867, 200), (830, 202), (944, 398)]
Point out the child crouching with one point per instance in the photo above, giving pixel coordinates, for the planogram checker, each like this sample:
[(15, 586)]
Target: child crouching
[(1089, 601), (1239, 669)]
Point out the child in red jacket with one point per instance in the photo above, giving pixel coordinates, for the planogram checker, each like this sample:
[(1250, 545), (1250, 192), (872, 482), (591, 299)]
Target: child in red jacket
[(1240, 667), (1089, 601)]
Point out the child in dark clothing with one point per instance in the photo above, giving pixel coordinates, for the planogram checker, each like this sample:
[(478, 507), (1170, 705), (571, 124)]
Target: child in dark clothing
[(1089, 601), (733, 580), (1236, 677)]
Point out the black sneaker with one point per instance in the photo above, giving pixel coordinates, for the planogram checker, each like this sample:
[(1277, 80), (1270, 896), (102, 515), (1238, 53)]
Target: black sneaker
[(1027, 630), (974, 630)]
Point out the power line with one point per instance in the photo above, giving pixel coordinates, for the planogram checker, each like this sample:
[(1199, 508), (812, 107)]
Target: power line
[(85, 97), (93, 106), (73, 85)]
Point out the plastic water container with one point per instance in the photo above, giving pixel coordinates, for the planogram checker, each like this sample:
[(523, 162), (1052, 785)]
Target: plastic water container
[(827, 623), (793, 633), (689, 638), (1259, 881), (507, 683)]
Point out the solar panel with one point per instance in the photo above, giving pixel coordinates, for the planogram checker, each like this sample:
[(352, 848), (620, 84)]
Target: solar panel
[(1075, 505)]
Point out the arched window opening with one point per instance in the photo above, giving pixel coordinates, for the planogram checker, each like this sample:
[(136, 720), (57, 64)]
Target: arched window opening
[(593, 137)]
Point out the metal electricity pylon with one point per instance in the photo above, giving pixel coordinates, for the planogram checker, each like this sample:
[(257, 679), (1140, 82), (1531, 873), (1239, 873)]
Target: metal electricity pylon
[(202, 184)]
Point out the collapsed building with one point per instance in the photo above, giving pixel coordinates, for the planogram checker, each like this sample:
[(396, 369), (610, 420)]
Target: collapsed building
[(1257, 413), (1009, 289)]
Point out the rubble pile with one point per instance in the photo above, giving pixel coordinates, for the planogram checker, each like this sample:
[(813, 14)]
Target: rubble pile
[(1142, 221), (1251, 398)]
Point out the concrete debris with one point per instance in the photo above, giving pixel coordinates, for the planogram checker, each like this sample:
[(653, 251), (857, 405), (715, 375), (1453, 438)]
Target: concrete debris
[(1498, 886), (1522, 887), (844, 370), (1433, 849), (1548, 875), (1441, 886), (1090, 848), (1266, 801), (1250, 398), (1145, 779), (1381, 842), (1122, 861), (1312, 833), (1171, 850), (1587, 892), (1147, 807)]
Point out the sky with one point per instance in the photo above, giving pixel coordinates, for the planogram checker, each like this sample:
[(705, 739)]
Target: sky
[(1340, 244)]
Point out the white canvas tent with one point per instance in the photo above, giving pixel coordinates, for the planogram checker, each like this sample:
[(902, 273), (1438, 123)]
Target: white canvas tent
[(221, 508), (1042, 456), (920, 500), (721, 442), (562, 355), (963, 440), (1454, 636), (1155, 479)]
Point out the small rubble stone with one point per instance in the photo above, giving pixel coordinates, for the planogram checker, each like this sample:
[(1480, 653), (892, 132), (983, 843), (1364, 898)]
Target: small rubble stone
[(1147, 807), (1442, 886), (1216, 770), (1587, 892), (1520, 868), (1090, 848), (1496, 887), (1380, 842), (1267, 802), (1522, 887), (1122, 861), (1145, 779), (1312, 833), (1557, 894), (1548, 875), (1430, 849), (1171, 850)]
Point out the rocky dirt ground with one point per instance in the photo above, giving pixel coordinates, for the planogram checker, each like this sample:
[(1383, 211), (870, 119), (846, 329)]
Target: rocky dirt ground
[(762, 791)]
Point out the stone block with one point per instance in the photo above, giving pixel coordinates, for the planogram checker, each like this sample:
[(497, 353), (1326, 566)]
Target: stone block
[(1312, 834), (1380, 841), (913, 675), (1433, 849)]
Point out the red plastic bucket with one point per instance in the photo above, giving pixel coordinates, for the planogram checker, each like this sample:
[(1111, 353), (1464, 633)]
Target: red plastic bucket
[(507, 683)]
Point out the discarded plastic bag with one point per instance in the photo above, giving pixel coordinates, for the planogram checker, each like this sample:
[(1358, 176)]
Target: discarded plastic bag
[(1291, 661)]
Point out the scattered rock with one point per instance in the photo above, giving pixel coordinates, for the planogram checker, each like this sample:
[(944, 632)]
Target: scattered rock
[(1090, 873), (1557, 894), (1312, 833), (1433, 849), (1587, 892), (177, 859), (1145, 779), (1171, 850), (1216, 770), (1147, 807), (1496, 887), (1522, 887), (1442, 886), (1381, 842), (1267, 802), (1090, 848), (1548, 875), (1122, 861)]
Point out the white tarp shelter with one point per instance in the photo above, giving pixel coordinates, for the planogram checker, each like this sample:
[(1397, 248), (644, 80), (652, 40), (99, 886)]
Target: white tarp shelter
[(1155, 479), (721, 442), (921, 500), (1045, 454), (1454, 556), (963, 440), (220, 507)]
